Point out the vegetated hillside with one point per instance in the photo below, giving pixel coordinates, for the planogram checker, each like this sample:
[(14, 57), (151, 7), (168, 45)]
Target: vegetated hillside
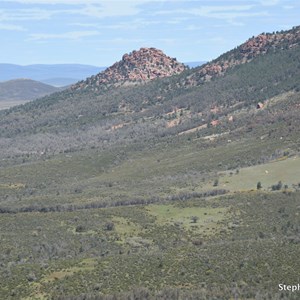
[(162, 107), (161, 190), (24, 89), (256, 46), (136, 67)]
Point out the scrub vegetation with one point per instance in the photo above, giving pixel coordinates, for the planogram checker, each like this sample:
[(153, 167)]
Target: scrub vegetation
[(169, 189)]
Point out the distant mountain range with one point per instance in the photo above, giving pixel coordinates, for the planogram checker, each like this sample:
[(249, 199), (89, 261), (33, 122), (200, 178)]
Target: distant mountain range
[(56, 75)]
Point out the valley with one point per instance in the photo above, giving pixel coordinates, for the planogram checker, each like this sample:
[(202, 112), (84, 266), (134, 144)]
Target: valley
[(151, 180)]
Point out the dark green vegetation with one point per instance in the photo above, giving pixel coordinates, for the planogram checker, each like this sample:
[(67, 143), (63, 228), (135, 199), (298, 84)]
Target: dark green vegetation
[(151, 191)]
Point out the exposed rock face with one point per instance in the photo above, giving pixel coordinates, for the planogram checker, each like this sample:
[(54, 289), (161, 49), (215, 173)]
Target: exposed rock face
[(252, 48), (138, 66)]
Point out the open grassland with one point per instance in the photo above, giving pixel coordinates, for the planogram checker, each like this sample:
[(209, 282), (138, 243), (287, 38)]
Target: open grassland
[(283, 169), (190, 218)]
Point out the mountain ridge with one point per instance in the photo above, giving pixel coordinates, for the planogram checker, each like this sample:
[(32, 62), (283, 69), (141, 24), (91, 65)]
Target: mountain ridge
[(206, 71), (247, 51)]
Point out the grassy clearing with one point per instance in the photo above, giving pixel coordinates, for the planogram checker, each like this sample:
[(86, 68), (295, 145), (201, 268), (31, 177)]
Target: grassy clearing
[(126, 228), (284, 169), (37, 288), (198, 219), (12, 186), (85, 265)]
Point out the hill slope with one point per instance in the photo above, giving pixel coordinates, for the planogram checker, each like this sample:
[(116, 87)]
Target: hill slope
[(256, 46), (242, 86)]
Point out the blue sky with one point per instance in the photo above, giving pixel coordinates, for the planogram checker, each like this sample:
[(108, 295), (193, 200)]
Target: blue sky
[(100, 32)]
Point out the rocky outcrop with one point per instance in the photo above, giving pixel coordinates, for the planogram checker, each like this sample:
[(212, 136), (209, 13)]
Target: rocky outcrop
[(138, 66)]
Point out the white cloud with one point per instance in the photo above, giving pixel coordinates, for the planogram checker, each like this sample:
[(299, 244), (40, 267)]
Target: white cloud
[(269, 2), (117, 4), (86, 25), (103, 9), (72, 35), (122, 40), (177, 20), (228, 13), (11, 27), (90, 8), (207, 10), (118, 26), (130, 25), (54, 2), (194, 28), (25, 14), (288, 7), (231, 16)]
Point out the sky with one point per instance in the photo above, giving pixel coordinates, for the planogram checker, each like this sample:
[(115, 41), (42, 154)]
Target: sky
[(99, 32)]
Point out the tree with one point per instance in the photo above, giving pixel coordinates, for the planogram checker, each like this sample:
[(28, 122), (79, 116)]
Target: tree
[(80, 228), (194, 219), (277, 187), (259, 186), (109, 226)]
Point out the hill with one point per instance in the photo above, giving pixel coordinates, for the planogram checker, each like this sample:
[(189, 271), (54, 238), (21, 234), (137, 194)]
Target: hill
[(181, 187), (136, 67), (24, 90)]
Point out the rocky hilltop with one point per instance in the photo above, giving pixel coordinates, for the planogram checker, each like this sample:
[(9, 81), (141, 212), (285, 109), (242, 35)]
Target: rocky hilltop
[(138, 66), (255, 46)]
